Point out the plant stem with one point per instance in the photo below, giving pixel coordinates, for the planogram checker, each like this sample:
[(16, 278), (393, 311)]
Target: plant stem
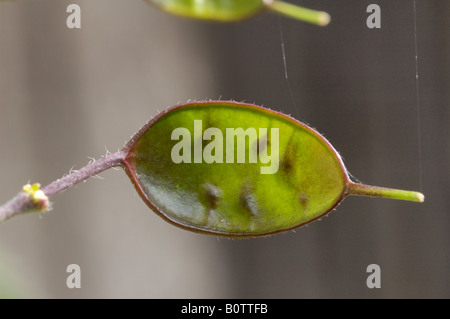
[(367, 190), (92, 169), (26, 202)]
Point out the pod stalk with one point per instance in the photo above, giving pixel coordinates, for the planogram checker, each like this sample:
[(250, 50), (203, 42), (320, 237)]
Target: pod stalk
[(320, 18), (376, 191)]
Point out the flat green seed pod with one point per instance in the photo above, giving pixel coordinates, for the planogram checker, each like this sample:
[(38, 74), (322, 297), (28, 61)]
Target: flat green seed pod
[(219, 10), (236, 10), (235, 169)]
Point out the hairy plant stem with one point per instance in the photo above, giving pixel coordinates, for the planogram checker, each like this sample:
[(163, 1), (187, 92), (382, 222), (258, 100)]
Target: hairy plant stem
[(37, 200)]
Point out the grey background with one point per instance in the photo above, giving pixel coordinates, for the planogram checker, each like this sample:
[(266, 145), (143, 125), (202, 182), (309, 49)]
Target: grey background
[(67, 95)]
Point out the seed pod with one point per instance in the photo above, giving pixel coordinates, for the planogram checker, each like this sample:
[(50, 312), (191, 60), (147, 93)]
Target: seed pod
[(235, 10), (235, 169)]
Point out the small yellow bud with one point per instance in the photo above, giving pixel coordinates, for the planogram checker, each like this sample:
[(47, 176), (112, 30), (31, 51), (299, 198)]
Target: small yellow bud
[(38, 196)]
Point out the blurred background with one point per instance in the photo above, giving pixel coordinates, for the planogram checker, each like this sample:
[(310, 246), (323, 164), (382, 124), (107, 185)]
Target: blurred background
[(70, 94)]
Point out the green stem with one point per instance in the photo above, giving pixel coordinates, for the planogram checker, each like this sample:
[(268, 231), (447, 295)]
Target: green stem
[(307, 15), (367, 190)]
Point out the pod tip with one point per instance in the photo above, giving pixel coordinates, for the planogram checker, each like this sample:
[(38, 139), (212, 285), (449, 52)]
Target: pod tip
[(420, 197), (323, 18)]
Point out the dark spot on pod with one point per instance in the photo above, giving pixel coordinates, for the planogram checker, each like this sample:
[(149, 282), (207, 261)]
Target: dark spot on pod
[(286, 164), (212, 194), (288, 160), (303, 199), (262, 143)]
